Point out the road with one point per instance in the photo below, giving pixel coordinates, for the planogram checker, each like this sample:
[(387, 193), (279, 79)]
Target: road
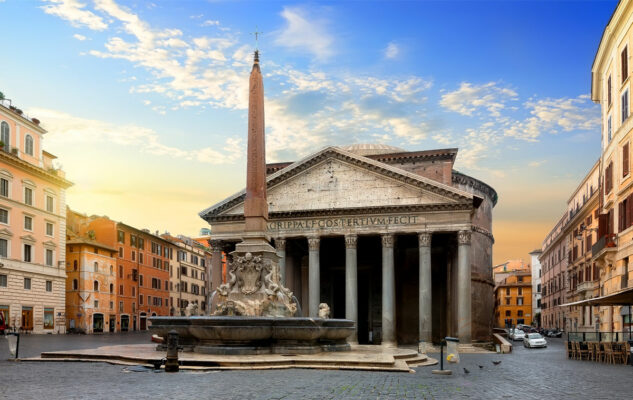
[(535, 373)]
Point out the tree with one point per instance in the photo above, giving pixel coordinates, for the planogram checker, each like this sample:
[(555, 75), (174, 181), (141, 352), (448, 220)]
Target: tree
[(1, 96)]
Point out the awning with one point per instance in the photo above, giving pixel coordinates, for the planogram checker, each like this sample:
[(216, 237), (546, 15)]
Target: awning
[(622, 298)]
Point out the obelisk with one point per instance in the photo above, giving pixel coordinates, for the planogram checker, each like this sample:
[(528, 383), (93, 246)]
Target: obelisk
[(255, 204)]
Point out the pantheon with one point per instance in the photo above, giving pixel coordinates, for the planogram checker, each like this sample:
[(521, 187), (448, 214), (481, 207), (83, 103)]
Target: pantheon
[(395, 240)]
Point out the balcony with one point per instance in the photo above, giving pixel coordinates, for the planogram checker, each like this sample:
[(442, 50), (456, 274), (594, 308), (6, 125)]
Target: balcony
[(586, 286), (605, 247)]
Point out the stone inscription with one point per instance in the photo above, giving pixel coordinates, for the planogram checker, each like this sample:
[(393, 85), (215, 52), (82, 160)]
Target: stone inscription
[(343, 222)]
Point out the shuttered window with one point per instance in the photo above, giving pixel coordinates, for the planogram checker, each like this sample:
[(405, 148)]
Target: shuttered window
[(625, 159), (609, 91), (608, 178), (625, 64)]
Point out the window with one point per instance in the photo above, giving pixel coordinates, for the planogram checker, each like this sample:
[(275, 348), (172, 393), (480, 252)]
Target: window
[(133, 255), (28, 196), (95, 266), (120, 271), (28, 145), (519, 301), (111, 305), (140, 299), (520, 313), (49, 286), (121, 236), (49, 229), (120, 290), (4, 187), (120, 306), (27, 253), (141, 243), (625, 159), (5, 136), (609, 91), (140, 258), (28, 223), (95, 286), (624, 63), (75, 284), (140, 282), (96, 304), (4, 248), (121, 252), (508, 313), (133, 291), (50, 207), (609, 130), (49, 314), (519, 279), (27, 283), (132, 240), (625, 105), (111, 270), (608, 178), (49, 257), (520, 291), (3, 281)]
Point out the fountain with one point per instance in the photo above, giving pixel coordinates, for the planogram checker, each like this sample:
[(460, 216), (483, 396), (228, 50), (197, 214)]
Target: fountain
[(255, 313)]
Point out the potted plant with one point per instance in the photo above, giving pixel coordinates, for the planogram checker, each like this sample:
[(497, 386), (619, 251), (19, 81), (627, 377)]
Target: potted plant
[(17, 110), (1, 145), (14, 151), (35, 121)]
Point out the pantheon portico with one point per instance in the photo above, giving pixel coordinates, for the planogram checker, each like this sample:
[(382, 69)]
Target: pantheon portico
[(397, 241)]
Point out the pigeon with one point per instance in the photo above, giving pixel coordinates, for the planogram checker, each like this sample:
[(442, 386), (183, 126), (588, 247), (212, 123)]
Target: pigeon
[(496, 362), (466, 371), (481, 367)]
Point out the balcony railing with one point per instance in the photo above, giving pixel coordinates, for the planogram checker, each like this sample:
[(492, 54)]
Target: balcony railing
[(607, 241)]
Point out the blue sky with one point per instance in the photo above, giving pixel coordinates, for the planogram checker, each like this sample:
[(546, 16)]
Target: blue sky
[(145, 101)]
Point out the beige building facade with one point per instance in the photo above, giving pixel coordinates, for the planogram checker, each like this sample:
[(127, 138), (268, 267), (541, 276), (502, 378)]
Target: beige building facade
[(32, 227)]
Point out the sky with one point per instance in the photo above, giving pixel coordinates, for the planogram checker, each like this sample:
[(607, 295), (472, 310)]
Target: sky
[(145, 103)]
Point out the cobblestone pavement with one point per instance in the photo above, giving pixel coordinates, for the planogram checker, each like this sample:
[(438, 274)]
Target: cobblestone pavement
[(537, 373)]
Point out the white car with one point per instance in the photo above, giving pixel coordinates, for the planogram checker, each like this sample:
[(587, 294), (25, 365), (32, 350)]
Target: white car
[(534, 340), (517, 334)]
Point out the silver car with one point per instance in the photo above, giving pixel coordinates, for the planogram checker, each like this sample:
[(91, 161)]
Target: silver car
[(517, 334), (534, 340)]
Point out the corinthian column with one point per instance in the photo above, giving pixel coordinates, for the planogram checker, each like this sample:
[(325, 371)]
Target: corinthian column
[(351, 281), (425, 288), (216, 271), (388, 292), (464, 295), (314, 276), (280, 245)]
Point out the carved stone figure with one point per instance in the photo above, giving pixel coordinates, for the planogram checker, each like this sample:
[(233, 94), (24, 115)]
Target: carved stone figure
[(191, 310), (324, 311)]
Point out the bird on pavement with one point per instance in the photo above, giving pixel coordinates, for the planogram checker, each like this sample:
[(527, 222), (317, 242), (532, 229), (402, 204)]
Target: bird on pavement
[(496, 362), (466, 371), (481, 367)]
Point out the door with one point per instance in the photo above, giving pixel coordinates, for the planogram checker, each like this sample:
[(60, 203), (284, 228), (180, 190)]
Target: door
[(27, 318), (97, 323), (143, 322), (125, 323), (112, 323)]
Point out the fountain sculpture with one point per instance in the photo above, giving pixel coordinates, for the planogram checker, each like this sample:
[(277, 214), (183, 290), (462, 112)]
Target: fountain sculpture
[(255, 313)]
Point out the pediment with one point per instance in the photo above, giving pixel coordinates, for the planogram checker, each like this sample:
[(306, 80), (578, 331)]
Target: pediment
[(5, 232), (334, 179), (28, 238)]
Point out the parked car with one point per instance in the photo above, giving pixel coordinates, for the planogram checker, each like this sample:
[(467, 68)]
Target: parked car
[(517, 334), (555, 333), (534, 340)]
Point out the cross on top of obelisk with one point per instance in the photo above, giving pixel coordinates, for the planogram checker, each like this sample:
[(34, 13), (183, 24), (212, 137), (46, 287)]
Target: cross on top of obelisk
[(256, 33)]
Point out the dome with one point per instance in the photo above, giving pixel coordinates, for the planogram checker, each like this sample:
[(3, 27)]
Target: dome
[(371, 149)]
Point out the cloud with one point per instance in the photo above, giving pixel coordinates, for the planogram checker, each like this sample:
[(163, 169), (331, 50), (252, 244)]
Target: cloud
[(554, 116), (470, 98), (535, 164), (392, 50), (68, 129), (304, 33), (79, 37), (73, 11), (210, 22)]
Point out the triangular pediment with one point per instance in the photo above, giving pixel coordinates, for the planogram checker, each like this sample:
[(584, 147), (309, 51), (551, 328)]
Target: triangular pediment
[(333, 179), (28, 238)]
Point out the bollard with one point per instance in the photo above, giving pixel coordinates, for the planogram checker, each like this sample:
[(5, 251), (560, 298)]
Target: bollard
[(171, 363), (442, 371)]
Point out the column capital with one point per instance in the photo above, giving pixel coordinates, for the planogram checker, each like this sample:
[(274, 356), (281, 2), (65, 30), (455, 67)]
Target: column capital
[(387, 240), (314, 243), (463, 237), (216, 245), (351, 241), (280, 244), (424, 239)]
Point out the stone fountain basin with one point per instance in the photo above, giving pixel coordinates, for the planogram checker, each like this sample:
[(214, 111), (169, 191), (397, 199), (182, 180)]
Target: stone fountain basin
[(257, 335)]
